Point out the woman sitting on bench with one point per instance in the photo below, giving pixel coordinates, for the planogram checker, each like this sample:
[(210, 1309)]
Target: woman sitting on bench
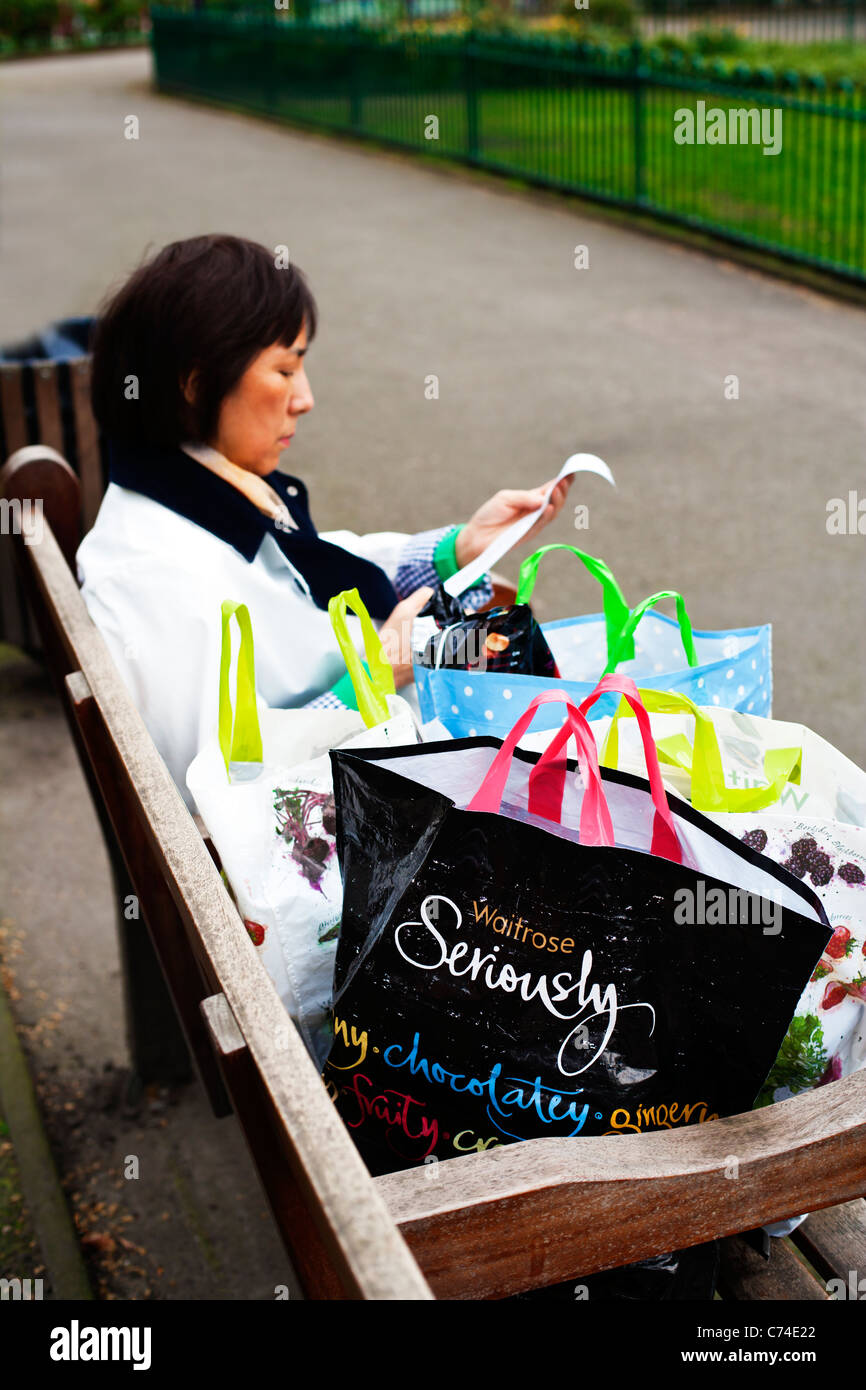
[(198, 383)]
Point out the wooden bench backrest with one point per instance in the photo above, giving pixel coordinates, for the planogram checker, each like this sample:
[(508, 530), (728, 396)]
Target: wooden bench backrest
[(31, 413), (482, 1225)]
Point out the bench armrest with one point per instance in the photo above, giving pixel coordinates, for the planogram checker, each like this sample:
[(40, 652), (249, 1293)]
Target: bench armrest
[(535, 1213)]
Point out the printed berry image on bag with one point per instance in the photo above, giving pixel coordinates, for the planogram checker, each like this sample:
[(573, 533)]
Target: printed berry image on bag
[(789, 794), (827, 1036)]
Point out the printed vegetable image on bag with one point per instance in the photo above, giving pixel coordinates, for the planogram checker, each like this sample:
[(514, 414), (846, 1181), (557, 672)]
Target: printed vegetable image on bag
[(265, 792), (513, 962)]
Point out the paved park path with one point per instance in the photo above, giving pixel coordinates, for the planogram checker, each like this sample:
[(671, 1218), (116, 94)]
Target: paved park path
[(422, 271)]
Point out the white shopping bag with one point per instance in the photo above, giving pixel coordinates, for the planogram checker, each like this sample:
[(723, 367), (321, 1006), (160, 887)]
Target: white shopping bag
[(790, 795), (264, 790)]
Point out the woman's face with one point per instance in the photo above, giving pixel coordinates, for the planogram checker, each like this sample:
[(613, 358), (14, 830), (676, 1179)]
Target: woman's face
[(258, 418)]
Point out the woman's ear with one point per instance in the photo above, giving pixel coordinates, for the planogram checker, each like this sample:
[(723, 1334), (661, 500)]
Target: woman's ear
[(189, 386)]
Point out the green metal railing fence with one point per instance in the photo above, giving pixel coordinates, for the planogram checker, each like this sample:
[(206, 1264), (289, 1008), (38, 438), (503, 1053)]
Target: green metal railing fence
[(563, 115)]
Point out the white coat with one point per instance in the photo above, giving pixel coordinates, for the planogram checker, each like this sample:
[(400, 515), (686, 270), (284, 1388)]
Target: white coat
[(154, 582)]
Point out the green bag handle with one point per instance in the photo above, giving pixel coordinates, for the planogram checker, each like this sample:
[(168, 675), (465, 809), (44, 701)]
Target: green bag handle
[(241, 741), (370, 690), (616, 610), (625, 643), (703, 761)]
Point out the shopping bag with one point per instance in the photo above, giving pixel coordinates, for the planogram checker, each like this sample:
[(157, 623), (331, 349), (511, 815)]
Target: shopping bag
[(731, 668), (264, 790), (510, 966), (506, 640), (725, 760), (789, 794)]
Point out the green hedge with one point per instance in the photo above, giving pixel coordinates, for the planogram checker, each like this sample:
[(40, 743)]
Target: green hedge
[(45, 25)]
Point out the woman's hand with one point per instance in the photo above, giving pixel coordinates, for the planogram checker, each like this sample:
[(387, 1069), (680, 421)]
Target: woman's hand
[(503, 509), (396, 635)]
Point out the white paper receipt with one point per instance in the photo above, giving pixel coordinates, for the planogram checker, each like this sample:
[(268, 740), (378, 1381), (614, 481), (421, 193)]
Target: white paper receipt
[(463, 579)]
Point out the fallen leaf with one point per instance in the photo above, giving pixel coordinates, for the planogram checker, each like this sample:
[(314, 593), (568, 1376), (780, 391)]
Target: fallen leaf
[(99, 1240)]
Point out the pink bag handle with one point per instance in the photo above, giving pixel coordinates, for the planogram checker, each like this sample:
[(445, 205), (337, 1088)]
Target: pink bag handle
[(546, 788), (665, 841), (547, 782)]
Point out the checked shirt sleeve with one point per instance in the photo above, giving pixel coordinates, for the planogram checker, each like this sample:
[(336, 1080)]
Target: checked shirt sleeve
[(340, 696), (427, 558), (330, 700), (431, 557)]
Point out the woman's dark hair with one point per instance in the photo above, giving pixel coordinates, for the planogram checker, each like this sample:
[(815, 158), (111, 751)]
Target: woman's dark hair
[(207, 305)]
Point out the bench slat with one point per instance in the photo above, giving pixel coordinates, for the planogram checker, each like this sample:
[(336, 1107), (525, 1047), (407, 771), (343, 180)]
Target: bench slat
[(12, 405), (47, 391), (13, 613), (14, 625), (87, 442), (32, 472), (834, 1241), (746, 1275), (37, 472)]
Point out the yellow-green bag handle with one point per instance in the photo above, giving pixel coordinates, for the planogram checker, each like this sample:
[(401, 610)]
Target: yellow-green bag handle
[(240, 737), (240, 741), (370, 690), (703, 761)]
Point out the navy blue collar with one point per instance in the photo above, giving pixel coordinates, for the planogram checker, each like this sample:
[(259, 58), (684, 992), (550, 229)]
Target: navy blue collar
[(168, 475)]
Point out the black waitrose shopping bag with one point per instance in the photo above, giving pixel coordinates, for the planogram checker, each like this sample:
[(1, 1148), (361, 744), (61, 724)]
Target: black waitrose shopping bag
[(522, 955)]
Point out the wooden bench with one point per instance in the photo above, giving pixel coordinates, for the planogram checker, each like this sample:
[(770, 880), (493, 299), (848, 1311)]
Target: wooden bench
[(31, 412), (479, 1226)]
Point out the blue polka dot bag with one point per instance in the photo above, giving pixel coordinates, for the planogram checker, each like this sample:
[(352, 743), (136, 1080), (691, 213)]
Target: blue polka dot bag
[(731, 668)]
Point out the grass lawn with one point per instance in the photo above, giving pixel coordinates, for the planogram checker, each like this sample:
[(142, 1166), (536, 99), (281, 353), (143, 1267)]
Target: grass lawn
[(726, 37), (830, 59), (808, 198)]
